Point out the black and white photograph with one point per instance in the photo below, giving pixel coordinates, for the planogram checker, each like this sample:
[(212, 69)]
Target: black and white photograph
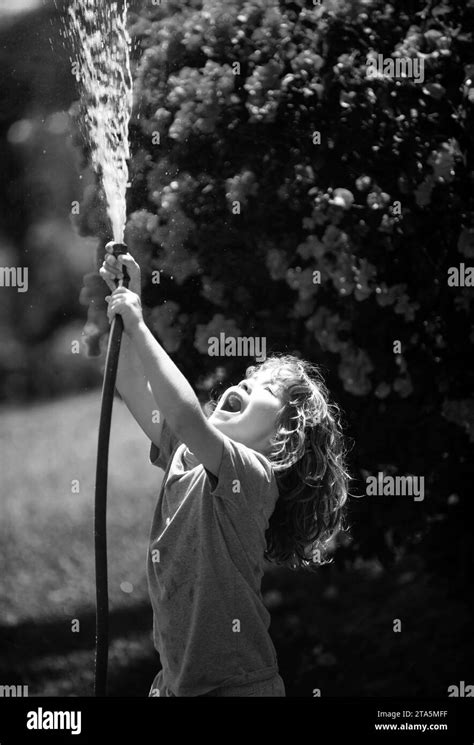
[(236, 402)]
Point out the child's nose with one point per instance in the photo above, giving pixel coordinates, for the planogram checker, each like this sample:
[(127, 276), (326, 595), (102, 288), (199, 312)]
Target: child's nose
[(246, 386)]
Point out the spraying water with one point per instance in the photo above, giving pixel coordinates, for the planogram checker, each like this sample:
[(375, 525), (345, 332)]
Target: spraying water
[(102, 68)]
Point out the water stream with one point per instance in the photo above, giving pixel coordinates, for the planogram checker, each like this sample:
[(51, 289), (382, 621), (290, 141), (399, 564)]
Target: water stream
[(102, 44)]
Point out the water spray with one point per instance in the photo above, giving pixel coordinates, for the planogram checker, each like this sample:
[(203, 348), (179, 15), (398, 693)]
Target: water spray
[(100, 519)]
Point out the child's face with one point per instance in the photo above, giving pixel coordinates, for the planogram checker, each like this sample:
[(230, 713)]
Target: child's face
[(248, 412)]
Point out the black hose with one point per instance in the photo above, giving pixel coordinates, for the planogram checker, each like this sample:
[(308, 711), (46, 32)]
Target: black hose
[(100, 518)]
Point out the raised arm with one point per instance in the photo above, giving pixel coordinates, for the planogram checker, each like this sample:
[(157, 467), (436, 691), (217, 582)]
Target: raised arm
[(177, 400), (158, 379), (135, 390), (131, 381)]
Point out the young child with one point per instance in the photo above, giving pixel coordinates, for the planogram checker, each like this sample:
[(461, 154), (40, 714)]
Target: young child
[(262, 477)]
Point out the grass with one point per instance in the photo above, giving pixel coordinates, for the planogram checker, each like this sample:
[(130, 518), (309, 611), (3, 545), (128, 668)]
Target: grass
[(333, 630), (46, 533)]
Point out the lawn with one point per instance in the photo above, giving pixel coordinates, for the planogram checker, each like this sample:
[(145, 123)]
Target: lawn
[(46, 533), (334, 630)]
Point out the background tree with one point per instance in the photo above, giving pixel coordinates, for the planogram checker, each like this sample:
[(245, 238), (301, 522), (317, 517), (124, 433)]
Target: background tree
[(282, 191)]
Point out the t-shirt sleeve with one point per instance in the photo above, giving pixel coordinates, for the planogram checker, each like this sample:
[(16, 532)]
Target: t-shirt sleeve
[(243, 475), (159, 456)]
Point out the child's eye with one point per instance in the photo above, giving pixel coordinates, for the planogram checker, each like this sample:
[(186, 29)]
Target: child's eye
[(267, 388)]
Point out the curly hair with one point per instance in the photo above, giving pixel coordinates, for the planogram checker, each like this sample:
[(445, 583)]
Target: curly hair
[(308, 457)]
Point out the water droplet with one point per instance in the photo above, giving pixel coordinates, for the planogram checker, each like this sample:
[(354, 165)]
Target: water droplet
[(126, 587)]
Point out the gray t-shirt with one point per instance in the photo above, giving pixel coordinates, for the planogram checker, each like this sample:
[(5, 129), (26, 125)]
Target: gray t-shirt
[(205, 566)]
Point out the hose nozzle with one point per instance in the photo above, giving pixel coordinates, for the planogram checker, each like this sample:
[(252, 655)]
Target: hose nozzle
[(117, 249)]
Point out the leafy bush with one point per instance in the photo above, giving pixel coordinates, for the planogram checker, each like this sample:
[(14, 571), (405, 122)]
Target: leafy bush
[(281, 190)]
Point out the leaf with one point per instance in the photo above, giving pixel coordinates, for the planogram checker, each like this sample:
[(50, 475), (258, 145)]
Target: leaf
[(424, 191), (461, 412), (435, 90), (441, 10)]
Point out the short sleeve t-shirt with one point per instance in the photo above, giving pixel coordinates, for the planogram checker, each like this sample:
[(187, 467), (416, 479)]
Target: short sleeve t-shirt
[(205, 565)]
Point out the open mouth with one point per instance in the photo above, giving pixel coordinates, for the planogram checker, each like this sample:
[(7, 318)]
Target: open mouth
[(233, 403)]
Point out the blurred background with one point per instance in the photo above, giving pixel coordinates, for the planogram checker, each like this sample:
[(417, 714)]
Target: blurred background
[(368, 182)]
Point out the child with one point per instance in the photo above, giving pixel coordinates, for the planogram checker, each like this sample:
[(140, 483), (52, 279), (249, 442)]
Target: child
[(262, 477)]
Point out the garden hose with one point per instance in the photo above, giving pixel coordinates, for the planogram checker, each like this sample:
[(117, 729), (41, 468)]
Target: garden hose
[(100, 516)]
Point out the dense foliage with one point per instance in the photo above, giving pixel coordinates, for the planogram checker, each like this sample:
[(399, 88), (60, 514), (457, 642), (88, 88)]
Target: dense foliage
[(282, 191)]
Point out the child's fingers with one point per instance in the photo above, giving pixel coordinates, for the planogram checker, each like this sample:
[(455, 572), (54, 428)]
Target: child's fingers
[(113, 270), (112, 263), (113, 266), (108, 278), (113, 306), (128, 260), (117, 261), (119, 296), (133, 270), (131, 264)]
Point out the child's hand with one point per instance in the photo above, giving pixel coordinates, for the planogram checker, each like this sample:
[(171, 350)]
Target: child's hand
[(111, 269), (127, 304)]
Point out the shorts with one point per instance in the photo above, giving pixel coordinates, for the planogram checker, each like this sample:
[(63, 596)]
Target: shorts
[(271, 687)]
